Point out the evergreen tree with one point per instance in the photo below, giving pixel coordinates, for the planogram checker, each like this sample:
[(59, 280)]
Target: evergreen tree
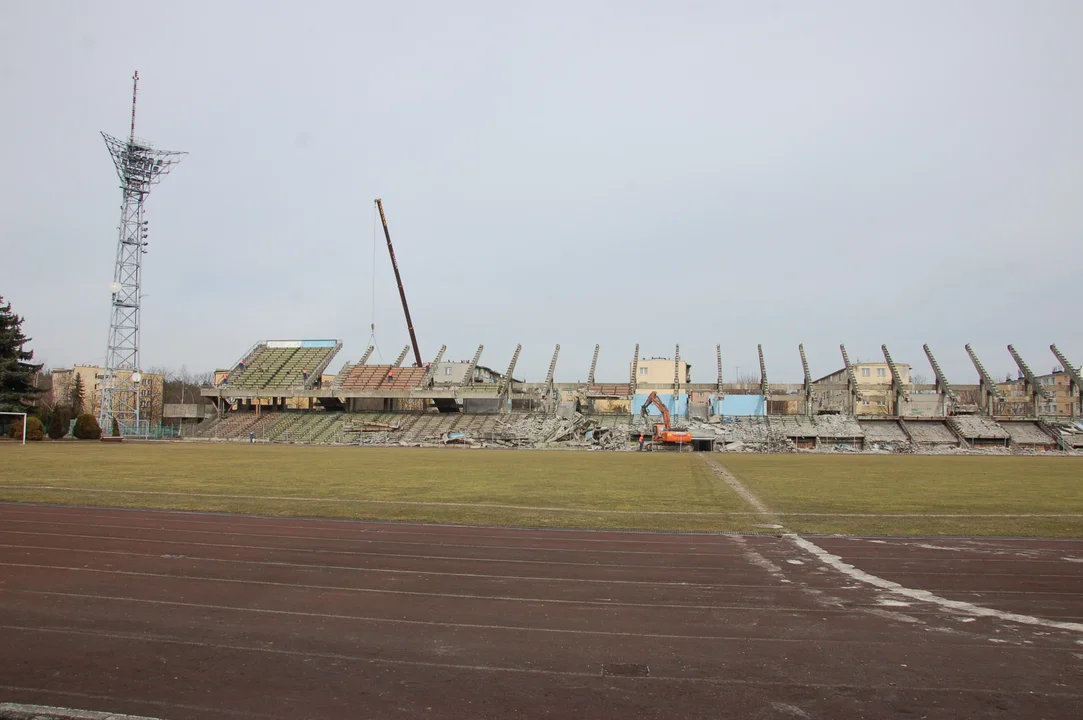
[(17, 389), (77, 395), (59, 421)]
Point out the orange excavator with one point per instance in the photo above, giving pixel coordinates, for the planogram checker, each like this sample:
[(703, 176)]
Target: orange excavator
[(664, 432)]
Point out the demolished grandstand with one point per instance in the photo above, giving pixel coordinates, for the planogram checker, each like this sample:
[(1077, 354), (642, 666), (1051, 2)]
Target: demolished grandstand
[(280, 391)]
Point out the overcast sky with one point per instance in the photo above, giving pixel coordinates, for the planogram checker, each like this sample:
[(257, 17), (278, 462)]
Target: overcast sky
[(575, 172)]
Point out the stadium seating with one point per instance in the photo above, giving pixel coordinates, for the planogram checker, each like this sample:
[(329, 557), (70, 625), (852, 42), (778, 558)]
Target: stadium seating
[(374, 377), (282, 365)]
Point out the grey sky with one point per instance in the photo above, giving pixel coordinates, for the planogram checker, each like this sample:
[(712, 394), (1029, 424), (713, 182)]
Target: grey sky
[(572, 172)]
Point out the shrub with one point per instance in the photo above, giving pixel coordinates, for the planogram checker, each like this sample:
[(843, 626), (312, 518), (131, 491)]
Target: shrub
[(87, 428), (116, 428), (58, 423), (34, 429)]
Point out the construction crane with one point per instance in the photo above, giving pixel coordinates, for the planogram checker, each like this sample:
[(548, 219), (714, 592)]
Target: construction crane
[(398, 279), (664, 433), (444, 405)]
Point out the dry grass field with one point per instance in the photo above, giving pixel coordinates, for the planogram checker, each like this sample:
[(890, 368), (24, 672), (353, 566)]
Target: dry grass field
[(863, 494)]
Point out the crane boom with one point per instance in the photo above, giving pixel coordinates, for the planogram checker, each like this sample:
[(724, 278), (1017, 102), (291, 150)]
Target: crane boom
[(402, 292)]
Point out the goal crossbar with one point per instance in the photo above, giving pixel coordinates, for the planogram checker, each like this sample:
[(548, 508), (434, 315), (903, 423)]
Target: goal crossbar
[(24, 422)]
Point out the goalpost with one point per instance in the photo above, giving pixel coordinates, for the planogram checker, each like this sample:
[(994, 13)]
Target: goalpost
[(24, 422)]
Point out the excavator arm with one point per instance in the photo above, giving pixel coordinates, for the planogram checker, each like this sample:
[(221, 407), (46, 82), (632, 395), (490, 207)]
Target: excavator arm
[(653, 399), (664, 432)]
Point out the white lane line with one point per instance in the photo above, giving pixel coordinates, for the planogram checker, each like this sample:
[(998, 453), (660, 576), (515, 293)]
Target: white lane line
[(376, 536), (170, 513), (359, 553), (717, 681), (837, 563), (418, 593), (470, 626), (387, 571), (361, 501)]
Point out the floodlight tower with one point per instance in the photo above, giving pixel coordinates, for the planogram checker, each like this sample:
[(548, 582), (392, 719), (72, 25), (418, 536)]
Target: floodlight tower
[(139, 167)]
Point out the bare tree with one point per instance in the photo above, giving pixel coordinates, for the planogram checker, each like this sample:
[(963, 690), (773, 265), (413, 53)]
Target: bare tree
[(917, 378)]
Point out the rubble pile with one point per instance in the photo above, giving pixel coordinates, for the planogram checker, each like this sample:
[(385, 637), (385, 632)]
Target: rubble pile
[(777, 434), (838, 426)]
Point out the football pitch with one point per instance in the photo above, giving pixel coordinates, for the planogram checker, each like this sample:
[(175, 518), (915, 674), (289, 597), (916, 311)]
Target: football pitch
[(851, 494)]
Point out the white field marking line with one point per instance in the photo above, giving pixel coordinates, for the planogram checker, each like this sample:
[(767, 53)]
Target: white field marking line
[(389, 571), (759, 560), (760, 510), (359, 553), (356, 501), (737, 487), (114, 699), (837, 563), (471, 626), (148, 638), (376, 536), (418, 593), (24, 710)]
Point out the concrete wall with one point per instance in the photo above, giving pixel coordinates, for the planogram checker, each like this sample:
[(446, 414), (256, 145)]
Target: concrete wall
[(931, 405), (680, 407), (740, 405)]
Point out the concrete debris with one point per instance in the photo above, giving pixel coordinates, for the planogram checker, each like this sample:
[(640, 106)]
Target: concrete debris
[(612, 432)]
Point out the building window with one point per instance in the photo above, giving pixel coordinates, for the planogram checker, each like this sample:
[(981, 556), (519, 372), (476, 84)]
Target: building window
[(642, 371), (865, 372), (881, 403), (881, 372), (447, 371), (866, 403)]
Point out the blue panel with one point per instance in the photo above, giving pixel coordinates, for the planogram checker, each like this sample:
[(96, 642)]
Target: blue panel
[(741, 405), (681, 407), (319, 343)]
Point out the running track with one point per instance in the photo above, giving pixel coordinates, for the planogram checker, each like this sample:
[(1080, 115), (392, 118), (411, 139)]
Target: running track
[(187, 615)]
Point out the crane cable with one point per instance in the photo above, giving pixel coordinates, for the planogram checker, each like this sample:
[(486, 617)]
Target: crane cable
[(372, 326)]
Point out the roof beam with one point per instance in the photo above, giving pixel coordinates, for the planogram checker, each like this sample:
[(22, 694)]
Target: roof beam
[(764, 387), (809, 395), (676, 372), (851, 379), (942, 384), (365, 357), (468, 379), (1033, 386), (718, 352), (402, 356), (505, 384), (1076, 385), (989, 390), (552, 370), (901, 393), (593, 364), (432, 366), (635, 371)]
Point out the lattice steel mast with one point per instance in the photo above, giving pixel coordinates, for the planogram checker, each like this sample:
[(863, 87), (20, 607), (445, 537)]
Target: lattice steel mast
[(139, 167)]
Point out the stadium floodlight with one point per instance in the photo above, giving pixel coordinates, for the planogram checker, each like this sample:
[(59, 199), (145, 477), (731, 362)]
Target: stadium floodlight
[(139, 167)]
